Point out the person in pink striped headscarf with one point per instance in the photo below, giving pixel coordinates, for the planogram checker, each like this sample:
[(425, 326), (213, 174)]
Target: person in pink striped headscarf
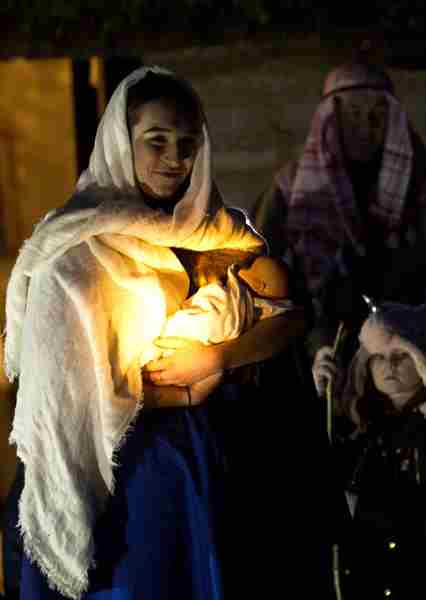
[(350, 211)]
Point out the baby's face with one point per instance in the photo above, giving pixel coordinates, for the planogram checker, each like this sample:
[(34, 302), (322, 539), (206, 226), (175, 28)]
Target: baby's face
[(212, 266), (206, 277)]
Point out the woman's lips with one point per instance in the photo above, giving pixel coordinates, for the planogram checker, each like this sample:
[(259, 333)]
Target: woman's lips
[(170, 174)]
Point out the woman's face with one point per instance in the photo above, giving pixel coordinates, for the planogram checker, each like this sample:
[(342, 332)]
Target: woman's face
[(165, 141), (362, 117), (393, 371)]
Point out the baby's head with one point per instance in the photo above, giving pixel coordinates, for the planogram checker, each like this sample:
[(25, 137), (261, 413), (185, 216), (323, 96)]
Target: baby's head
[(267, 277), (212, 266)]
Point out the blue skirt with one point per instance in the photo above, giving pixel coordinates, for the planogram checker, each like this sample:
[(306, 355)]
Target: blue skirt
[(161, 536)]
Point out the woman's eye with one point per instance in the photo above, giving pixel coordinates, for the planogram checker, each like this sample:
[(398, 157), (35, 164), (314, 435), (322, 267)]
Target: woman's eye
[(400, 356), (156, 141), (187, 146)]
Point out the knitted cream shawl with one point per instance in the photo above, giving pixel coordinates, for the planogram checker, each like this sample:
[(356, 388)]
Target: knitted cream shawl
[(86, 295)]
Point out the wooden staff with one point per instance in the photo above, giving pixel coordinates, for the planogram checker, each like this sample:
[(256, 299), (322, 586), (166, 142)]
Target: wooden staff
[(341, 331), (340, 335)]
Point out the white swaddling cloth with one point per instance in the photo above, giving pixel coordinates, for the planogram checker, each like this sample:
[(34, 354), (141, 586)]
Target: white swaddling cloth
[(217, 313)]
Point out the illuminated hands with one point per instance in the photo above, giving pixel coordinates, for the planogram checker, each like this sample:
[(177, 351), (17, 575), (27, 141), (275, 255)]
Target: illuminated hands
[(324, 369), (190, 363)]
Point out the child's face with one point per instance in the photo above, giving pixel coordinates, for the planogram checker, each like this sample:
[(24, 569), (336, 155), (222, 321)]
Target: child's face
[(393, 370)]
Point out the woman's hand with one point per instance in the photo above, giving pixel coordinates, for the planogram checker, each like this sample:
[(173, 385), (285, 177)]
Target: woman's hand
[(192, 361), (189, 363), (324, 369)]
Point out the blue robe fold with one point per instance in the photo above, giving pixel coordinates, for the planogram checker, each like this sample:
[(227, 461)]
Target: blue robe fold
[(160, 536)]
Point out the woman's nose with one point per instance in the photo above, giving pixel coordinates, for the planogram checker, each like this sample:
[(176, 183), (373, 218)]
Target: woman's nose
[(393, 363), (171, 156)]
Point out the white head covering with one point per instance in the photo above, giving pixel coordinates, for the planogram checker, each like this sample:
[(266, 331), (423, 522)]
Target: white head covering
[(111, 163)]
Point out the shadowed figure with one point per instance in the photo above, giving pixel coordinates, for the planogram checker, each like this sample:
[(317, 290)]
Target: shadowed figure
[(349, 214), (380, 451)]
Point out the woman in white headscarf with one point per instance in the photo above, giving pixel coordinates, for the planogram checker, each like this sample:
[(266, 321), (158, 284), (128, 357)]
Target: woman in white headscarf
[(121, 501), (380, 447)]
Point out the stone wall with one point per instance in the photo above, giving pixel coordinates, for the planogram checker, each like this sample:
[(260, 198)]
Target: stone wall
[(259, 101), (37, 153), (37, 172)]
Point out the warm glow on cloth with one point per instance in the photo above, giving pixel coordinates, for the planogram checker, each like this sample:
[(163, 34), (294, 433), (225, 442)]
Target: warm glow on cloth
[(216, 312)]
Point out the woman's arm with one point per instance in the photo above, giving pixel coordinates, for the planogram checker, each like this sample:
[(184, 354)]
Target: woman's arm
[(265, 339), (169, 396), (193, 362)]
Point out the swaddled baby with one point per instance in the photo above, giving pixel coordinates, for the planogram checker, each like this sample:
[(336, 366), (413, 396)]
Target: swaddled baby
[(234, 290)]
